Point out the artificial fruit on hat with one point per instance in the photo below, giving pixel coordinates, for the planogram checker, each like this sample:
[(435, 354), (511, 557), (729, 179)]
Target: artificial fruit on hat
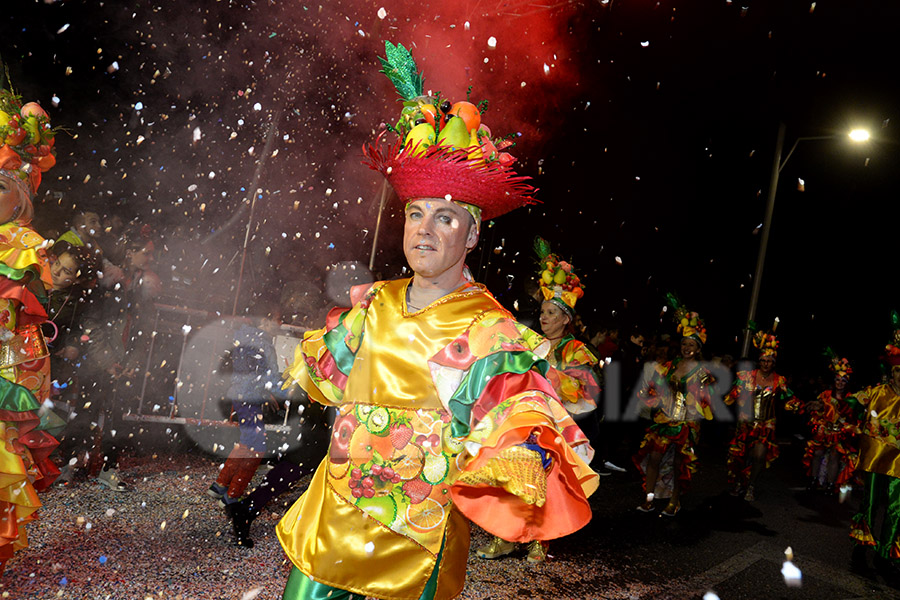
[(454, 134)]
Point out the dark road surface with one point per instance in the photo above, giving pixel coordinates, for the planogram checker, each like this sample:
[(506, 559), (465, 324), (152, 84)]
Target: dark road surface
[(165, 539)]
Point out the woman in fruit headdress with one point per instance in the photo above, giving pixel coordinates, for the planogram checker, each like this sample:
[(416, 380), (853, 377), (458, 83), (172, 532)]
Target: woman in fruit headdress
[(25, 468), (678, 394), (757, 393), (437, 389), (834, 424), (573, 375)]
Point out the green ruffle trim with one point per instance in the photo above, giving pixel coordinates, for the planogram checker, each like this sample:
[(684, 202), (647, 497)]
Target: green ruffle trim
[(334, 341), (18, 274), (15, 398), (478, 377), (52, 423)]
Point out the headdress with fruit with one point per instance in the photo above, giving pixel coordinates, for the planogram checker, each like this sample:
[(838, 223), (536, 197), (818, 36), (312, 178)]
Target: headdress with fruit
[(27, 140), (766, 342), (689, 324), (837, 365), (893, 347), (559, 283), (444, 150)]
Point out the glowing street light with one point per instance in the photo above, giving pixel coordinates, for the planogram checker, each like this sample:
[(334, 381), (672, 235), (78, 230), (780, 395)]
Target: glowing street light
[(857, 135)]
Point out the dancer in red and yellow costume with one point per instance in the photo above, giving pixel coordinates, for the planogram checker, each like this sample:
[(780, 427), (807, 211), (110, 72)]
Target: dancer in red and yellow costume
[(25, 443), (678, 394), (437, 388), (757, 393), (833, 421), (573, 376), (879, 462)]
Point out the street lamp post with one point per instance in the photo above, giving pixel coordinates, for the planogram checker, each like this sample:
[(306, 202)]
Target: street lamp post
[(857, 135)]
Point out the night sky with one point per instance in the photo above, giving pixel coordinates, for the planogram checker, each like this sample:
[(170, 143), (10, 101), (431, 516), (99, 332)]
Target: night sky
[(649, 128)]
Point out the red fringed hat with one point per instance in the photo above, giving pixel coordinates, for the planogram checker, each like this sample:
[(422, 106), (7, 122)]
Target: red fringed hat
[(444, 172), (444, 150)]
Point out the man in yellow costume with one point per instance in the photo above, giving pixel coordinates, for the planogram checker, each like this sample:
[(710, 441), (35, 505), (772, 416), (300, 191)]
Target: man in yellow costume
[(444, 408), (879, 461)]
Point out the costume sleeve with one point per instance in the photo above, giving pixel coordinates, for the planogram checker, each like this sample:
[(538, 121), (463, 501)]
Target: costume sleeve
[(794, 405), (704, 380), (575, 380), (734, 395), (502, 406), (323, 360), (787, 395), (649, 386)]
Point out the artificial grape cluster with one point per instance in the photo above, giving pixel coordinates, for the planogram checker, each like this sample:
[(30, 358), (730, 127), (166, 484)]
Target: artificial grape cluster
[(363, 485)]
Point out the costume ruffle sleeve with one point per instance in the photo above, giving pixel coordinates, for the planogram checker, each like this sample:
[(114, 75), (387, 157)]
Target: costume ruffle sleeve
[(573, 376), (503, 399), (323, 360)]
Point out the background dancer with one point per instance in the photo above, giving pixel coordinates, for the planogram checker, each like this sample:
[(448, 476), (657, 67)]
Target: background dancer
[(757, 392), (879, 462), (26, 153), (573, 376), (678, 395)]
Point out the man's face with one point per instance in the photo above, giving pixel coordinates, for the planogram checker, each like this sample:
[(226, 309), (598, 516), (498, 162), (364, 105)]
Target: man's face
[(766, 364), (436, 236), (88, 224)]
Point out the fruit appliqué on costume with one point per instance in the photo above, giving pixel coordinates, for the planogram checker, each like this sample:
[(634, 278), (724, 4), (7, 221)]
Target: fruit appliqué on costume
[(400, 434), (491, 335), (396, 466), (435, 469), (378, 422), (381, 508), (416, 490), (425, 516), (364, 446), (344, 428), (409, 464)]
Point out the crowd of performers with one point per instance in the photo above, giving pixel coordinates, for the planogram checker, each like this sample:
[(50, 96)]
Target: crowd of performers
[(449, 410), (446, 409)]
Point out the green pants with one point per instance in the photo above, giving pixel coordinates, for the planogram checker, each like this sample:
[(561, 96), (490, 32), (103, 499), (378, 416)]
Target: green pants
[(879, 491)]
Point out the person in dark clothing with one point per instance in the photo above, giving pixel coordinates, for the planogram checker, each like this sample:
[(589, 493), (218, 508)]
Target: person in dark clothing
[(74, 273), (255, 381), (73, 270), (301, 460)]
